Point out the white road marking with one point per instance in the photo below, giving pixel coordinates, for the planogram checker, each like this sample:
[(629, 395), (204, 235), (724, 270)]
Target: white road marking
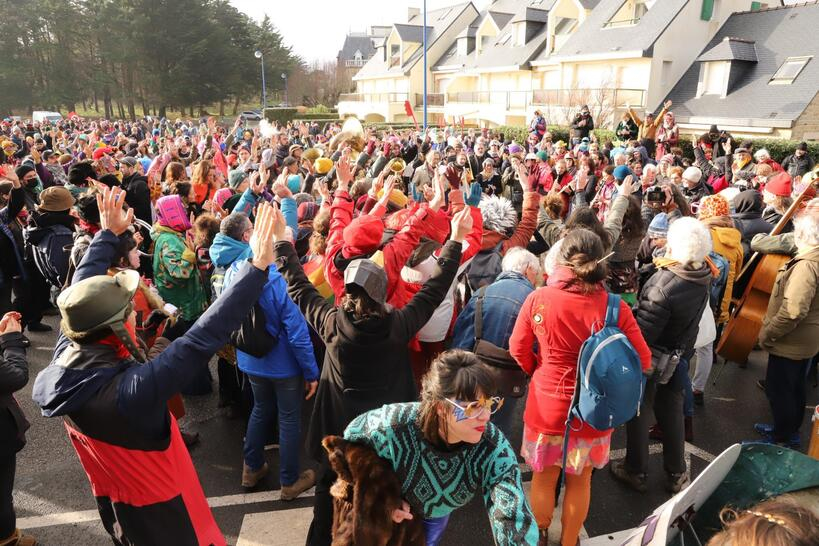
[(66, 518)]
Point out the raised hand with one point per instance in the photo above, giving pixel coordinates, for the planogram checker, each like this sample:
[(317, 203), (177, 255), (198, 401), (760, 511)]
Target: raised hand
[(438, 197), (344, 172), (323, 190), (264, 235), (110, 202), (281, 190), (257, 183), (628, 186), (461, 225), (388, 188)]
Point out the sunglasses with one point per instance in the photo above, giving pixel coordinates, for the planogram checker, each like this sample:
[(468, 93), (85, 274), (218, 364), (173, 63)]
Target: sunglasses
[(471, 410)]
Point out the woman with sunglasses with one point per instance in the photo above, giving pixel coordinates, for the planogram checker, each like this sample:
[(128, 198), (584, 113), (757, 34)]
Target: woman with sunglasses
[(444, 449)]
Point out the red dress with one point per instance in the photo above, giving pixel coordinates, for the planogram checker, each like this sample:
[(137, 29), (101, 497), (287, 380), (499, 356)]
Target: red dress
[(557, 319)]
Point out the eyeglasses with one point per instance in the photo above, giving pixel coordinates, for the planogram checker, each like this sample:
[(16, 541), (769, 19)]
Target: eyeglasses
[(471, 410)]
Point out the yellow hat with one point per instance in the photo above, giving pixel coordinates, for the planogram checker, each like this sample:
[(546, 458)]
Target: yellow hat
[(323, 165), (397, 198)]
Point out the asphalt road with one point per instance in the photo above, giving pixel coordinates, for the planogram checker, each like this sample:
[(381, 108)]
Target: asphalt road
[(54, 502)]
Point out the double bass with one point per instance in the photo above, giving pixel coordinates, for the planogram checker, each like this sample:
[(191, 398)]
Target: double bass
[(742, 331)]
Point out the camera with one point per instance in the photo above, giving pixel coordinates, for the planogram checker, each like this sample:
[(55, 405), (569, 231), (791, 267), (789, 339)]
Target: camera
[(655, 194)]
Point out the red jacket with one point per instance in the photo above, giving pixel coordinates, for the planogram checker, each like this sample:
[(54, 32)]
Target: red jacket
[(395, 252), (559, 317)]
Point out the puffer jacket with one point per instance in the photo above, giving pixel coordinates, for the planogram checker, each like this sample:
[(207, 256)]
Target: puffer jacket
[(748, 217), (728, 244), (791, 325), (695, 194), (670, 306)]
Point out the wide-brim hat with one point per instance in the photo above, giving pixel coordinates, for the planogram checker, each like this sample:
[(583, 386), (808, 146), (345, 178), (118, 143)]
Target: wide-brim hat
[(97, 302)]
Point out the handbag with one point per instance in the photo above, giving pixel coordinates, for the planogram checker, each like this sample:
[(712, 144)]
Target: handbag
[(510, 377), (252, 337)]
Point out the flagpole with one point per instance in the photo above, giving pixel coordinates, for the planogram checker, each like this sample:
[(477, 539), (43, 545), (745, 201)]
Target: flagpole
[(425, 64)]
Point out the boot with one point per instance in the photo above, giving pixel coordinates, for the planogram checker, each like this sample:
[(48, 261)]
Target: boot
[(190, 439), (18, 538), (635, 481), (543, 537), (677, 482), (305, 482), (250, 477), (689, 429)]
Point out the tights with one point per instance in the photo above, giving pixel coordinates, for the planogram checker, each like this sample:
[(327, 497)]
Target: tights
[(575, 501)]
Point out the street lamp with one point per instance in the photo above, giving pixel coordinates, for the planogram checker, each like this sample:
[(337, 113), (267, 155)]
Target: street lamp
[(284, 77), (260, 55)]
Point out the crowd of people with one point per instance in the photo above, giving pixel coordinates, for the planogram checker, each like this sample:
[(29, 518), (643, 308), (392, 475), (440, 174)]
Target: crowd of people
[(415, 286)]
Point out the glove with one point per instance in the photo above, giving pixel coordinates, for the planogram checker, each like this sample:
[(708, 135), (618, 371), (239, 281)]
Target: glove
[(473, 197)]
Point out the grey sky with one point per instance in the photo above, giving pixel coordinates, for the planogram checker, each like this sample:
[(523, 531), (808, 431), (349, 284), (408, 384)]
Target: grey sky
[(315, 29)]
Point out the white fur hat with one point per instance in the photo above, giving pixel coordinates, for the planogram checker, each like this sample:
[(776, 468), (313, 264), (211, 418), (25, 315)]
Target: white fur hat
[(498, 213)]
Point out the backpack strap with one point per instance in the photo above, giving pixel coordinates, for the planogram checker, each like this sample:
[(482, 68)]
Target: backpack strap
[(479, 313), (613, 310)]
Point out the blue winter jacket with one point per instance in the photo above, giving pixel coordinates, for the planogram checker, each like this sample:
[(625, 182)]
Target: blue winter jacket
[(67, 384), (293, 354), (501, 305)]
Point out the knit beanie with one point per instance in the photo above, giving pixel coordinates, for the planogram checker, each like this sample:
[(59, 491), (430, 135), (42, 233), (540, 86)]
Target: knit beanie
[(780, 185), (692, 173), (307, 211), (713, 206), (235, 178), (658, 228), (294, 183), (621, 172)]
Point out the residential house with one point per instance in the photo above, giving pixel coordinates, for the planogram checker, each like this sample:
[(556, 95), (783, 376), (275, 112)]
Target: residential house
[(624, 52), (758, 76), (485, 74), (395, 74), (358, 48)]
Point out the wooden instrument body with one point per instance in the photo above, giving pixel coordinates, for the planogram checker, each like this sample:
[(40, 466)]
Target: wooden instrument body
[(742, 330)]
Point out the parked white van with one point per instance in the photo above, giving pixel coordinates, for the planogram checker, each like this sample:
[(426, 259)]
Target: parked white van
[(42, 115)]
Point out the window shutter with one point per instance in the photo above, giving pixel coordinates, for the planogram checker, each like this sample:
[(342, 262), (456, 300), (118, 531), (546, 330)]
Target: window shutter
[(707, 10)]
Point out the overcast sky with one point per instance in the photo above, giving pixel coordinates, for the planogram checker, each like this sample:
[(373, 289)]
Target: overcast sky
[(315, 29)]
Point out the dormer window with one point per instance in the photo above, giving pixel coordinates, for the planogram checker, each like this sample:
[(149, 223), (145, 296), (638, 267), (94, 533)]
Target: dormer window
[(714, 78), (789, 70), (520, 34), (395, 55), (630, 13)]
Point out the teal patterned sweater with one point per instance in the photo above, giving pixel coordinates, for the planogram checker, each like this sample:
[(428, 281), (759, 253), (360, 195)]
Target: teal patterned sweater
[(437, 482)]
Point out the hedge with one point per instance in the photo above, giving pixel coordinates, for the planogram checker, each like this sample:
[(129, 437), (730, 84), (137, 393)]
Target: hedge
[(318, 116), (280, 115)]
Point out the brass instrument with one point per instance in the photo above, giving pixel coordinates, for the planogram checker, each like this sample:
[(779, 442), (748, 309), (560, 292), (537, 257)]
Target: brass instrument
[(397, 166), (312, 154), (352, 135)]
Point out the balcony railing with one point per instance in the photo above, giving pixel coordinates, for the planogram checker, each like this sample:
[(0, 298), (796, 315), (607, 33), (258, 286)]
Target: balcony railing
[(516, 100), (612, 97), (355, 63), (373, 97), (433, 99), (509, 100)]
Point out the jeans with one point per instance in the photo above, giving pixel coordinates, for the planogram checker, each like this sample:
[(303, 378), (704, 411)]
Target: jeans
[(434, 529), (503, 417), (269, 394), (785, 384), (705, 361)]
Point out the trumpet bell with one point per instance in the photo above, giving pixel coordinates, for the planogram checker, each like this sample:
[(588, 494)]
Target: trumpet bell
[(397, 166), (312, 154)]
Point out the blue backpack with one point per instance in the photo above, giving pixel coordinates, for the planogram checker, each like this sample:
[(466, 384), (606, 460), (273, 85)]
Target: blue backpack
[(610, 380)]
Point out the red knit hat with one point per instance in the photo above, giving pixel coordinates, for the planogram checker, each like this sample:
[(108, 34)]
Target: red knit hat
[(99, 152), (780, 185), (362, 236)]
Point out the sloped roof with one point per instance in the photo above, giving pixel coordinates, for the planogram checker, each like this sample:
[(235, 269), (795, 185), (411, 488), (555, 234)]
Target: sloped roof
[(411, 33), (353, 43), (529, 13), (438, 21), (592, 37), (496, 54), (731, 49), (589, 4), (779, 33), (501, 18)]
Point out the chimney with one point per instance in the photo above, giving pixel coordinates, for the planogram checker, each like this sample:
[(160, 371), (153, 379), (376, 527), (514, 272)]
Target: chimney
[(413, 12)]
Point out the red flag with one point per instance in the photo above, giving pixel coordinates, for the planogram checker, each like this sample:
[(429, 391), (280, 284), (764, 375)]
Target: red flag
[(410, 113)]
